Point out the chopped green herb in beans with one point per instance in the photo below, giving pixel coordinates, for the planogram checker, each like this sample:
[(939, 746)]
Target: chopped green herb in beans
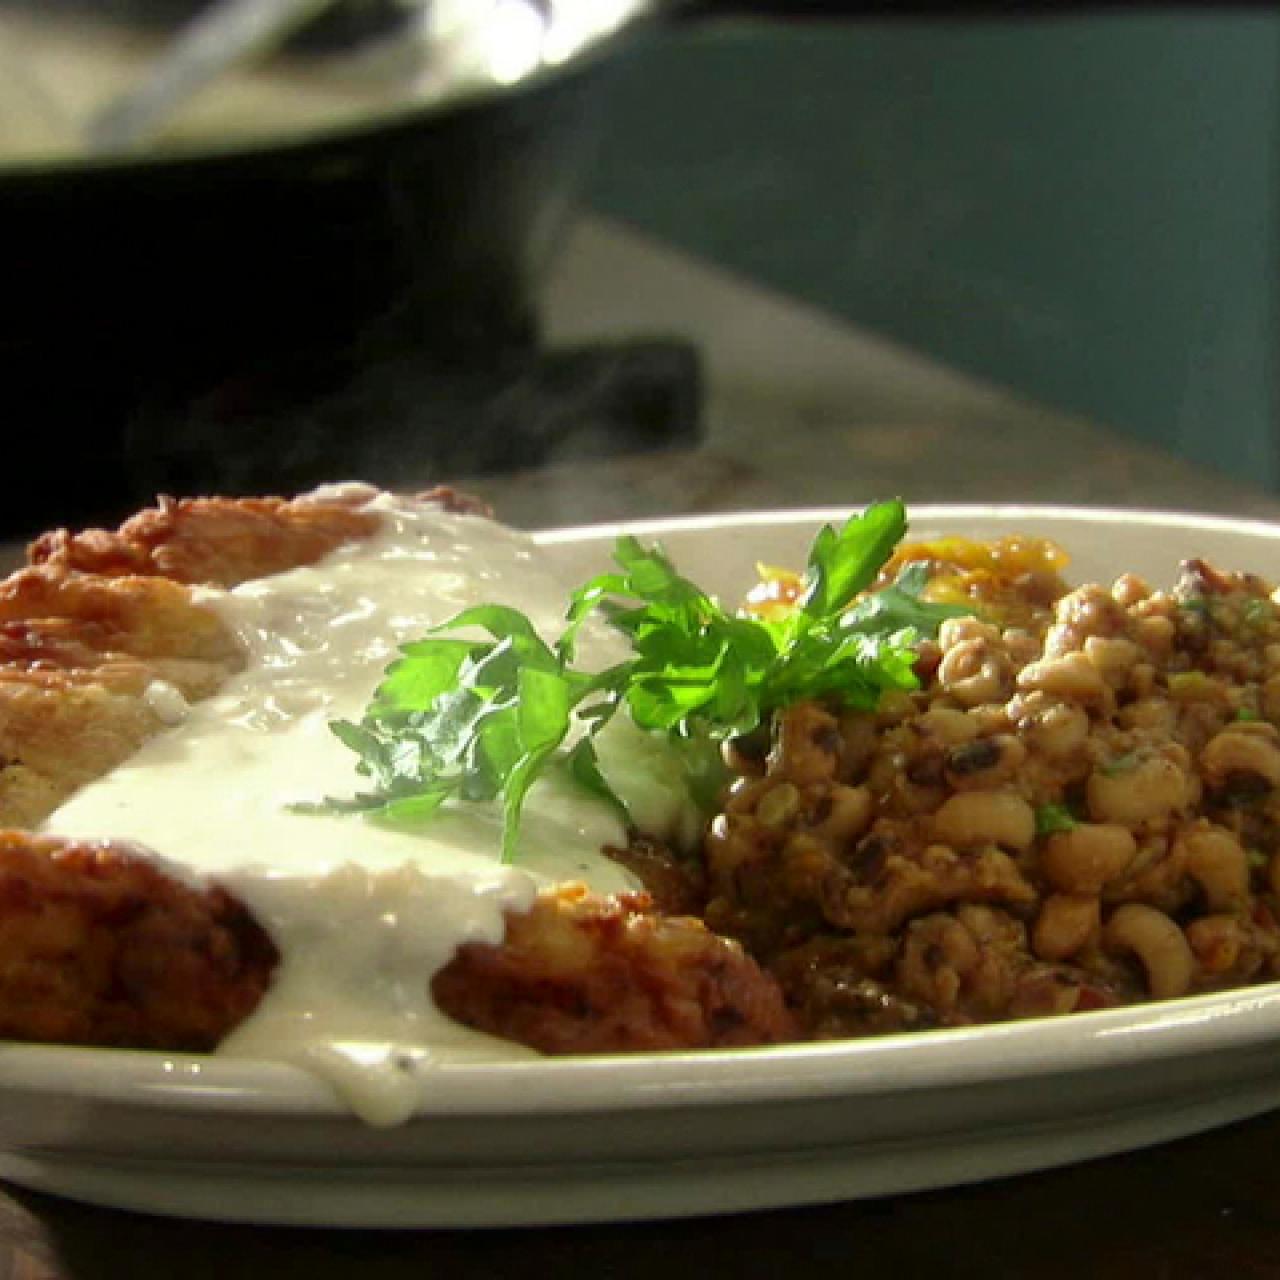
[(1052, 818), (1256, 612), (1119, 765)]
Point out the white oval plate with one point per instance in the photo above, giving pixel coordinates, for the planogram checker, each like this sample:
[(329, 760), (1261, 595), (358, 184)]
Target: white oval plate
[(576, 1140)]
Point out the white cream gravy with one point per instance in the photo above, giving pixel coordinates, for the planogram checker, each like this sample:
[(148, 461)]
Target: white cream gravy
[(363, 914)]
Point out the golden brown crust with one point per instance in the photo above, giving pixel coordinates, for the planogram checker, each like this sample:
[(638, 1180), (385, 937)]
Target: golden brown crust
[(225, 541), (579, 974), (146, 617), (78, 654), (100, 947), (218, 541)]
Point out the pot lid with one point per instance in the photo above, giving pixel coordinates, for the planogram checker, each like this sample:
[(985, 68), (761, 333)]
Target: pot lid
[(105, 80)]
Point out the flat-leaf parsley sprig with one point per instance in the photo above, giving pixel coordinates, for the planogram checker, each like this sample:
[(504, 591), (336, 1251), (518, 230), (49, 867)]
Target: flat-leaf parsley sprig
[(481, 720)]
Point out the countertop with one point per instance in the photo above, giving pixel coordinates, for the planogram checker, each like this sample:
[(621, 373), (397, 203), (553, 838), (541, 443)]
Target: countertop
[(804, 411), (800, 411)]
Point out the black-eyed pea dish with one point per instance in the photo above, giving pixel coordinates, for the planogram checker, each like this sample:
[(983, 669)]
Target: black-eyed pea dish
[(1079, 808)]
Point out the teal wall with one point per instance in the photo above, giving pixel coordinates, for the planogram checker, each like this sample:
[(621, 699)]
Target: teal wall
[(1084, 208)]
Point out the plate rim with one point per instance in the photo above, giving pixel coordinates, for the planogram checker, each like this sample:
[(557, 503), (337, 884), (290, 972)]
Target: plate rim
[(916, 513), (917, 1063)]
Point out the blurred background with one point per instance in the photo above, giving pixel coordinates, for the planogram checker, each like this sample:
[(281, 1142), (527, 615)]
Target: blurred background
[(599, 258), (1082, 205)]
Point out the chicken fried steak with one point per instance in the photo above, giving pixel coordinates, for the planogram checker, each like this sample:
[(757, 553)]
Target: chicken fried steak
[(581, 975), (102, 640), (98, 946)]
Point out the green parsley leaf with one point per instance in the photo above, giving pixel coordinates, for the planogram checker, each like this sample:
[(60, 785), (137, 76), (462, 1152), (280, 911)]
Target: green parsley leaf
[(1119, 764), (845, 563), (1053, 818), (1256, 612), (482, 720)]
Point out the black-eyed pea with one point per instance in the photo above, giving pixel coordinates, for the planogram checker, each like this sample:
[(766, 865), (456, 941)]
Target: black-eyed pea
[(895, 706), (1058, 731), (858, 738), (1271, 697), (1088, 857), (1114, 656), (744, 794), (1159, 945), (1066, 924), (805, 865), (1021, 646), (1156, 635), (1157, 870), (778, 806), (1250, 748), (1190, 687), (1062, 637), (1092, 609), (1271, 657), (1149, 792), (954, 631), (974, 672), (1071, 677), (808, 746), (1129, 589), (991, 718), (848, 813), (1218, 943), (1142, 680), (1155, 713), (938, 955), (974, 818), (947, 725), (1022, 706), (985, 762), (1218, 863)]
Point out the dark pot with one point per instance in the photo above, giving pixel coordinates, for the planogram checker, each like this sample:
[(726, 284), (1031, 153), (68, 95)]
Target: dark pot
[(235, 286), (148, 300), (281, 311)]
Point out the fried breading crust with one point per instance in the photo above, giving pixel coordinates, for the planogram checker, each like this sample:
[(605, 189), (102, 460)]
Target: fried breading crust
[(81, 658), (99, 947), (580, 974), (226, 541)]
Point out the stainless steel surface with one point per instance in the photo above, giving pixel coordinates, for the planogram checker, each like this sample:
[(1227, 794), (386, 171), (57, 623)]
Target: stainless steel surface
[(219, 39), (216, 80)]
